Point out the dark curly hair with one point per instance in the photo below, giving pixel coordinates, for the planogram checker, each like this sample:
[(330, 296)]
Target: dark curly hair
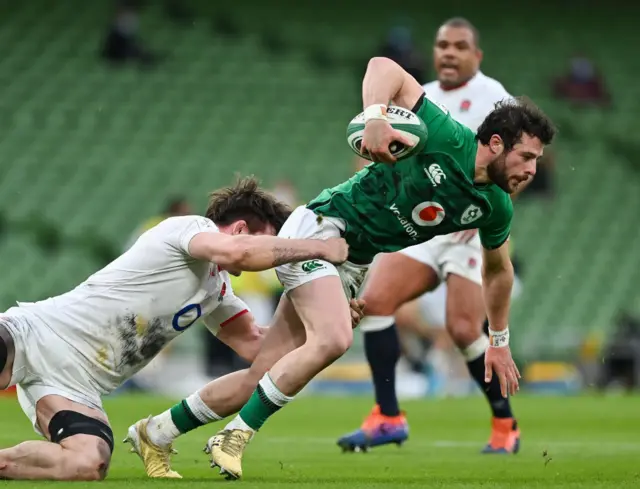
[(245, 200), (513, 117)]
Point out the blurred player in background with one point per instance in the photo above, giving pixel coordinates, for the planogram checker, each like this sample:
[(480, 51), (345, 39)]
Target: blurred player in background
[(66, 352), (454, 260)]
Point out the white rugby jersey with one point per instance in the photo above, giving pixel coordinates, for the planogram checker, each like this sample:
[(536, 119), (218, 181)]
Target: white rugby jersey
[(124, 314), (470, 103)]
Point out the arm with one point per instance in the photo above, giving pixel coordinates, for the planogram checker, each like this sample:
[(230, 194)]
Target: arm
[(497, 278), (385, 81), (243, 336), (256, 253)]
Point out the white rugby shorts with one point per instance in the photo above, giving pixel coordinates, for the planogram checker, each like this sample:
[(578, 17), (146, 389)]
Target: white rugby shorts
[(458, 253), (306, 224), (45, 365)]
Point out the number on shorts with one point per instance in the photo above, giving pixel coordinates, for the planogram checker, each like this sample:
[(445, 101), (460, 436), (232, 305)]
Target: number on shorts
[(186, 316)]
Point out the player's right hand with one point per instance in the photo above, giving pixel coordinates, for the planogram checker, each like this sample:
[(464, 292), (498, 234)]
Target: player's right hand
[(336, 250), (378, 135), (357, 311)]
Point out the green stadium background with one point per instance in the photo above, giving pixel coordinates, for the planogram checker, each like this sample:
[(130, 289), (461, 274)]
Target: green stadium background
[(87, 151)]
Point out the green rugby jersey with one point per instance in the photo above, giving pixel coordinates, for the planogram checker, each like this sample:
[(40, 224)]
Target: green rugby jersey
[(387, 207)]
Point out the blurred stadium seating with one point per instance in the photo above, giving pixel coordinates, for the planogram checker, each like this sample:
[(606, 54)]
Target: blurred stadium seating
[(88, 151)]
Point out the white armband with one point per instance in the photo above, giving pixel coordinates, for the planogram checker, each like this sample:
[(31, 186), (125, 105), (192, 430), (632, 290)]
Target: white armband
[(499, 339), (375, 111)]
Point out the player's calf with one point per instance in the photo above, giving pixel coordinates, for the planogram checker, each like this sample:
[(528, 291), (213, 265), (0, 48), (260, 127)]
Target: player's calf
[(80, 450)]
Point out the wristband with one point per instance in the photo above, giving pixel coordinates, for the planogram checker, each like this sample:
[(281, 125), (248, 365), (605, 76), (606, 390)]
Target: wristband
[(375, 111), (499, 339)]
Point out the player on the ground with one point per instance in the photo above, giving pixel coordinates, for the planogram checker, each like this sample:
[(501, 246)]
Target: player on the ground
[(455, 260), (383, 208), (66, 352)]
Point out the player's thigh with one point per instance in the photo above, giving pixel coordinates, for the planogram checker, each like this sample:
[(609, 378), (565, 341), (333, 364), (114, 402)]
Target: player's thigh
[(396, 278), (323, 309)]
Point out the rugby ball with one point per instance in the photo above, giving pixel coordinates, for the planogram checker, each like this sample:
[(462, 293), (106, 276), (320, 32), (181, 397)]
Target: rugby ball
[(403, 120)]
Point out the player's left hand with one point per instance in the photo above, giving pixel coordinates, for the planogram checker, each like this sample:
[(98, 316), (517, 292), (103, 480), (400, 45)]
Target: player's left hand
[(357, 311), (378, 135), (498, 361)]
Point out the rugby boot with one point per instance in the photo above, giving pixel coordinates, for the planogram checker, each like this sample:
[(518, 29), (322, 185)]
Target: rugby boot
[(505, 437), (156, 459), (377, 429)]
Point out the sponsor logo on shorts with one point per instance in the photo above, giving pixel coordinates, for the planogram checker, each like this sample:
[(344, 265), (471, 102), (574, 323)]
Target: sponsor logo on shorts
[(471, 213), (404, 222), (435, 174), (428, 214), (312, 266)]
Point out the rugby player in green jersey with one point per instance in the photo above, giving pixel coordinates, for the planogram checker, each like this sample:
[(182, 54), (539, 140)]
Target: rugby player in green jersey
[(387, 206)]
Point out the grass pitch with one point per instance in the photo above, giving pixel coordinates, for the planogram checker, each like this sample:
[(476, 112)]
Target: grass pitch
[(572, 442)]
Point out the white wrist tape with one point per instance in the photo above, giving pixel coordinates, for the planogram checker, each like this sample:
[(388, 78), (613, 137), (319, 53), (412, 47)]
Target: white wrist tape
[(499, 339), (376, 111)]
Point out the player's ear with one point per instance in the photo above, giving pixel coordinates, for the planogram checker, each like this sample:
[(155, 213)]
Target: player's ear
[(496, 145), (240, 227)]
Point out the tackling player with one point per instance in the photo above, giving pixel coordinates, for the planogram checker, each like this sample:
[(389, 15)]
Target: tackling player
[(66, 352), (455, 259), (386, 207)]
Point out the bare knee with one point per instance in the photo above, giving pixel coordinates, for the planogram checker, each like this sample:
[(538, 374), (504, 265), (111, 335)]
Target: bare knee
[(85, 461), (331, 343), (91, 469), (463, 330)]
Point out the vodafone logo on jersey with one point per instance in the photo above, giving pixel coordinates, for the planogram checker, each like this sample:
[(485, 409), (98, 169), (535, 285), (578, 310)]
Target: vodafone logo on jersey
[(428, 214)]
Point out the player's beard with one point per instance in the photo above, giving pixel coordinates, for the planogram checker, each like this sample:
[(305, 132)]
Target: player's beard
[(497, 173)]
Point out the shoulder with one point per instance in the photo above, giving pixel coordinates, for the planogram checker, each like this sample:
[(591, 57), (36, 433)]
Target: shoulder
[(431, 87), (501, 203), (178, 231), (182, 222), (491, 87)]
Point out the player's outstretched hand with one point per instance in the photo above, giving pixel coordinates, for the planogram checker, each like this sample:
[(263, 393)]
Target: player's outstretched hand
[(378, 135), (357, 311), (498, 361), (337, 251)]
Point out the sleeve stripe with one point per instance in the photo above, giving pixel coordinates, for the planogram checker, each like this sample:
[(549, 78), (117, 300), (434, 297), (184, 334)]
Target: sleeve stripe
[(497, 246), (418, 104), (235, 316)]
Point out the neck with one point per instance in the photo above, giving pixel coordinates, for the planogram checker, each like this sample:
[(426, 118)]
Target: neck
[(483, 158)]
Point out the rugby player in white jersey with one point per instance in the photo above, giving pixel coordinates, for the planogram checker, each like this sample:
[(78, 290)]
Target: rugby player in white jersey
[(66, 352), (454, 261)]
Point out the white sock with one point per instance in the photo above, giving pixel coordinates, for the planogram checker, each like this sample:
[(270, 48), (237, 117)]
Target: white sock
[(238, 424), (272, 391), (476, 349), (200, 410), (161, 429), (371, 324)]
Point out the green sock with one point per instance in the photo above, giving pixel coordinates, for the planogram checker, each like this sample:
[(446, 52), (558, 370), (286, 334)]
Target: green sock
[(265, 400), (183, 417), (258, 409)]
